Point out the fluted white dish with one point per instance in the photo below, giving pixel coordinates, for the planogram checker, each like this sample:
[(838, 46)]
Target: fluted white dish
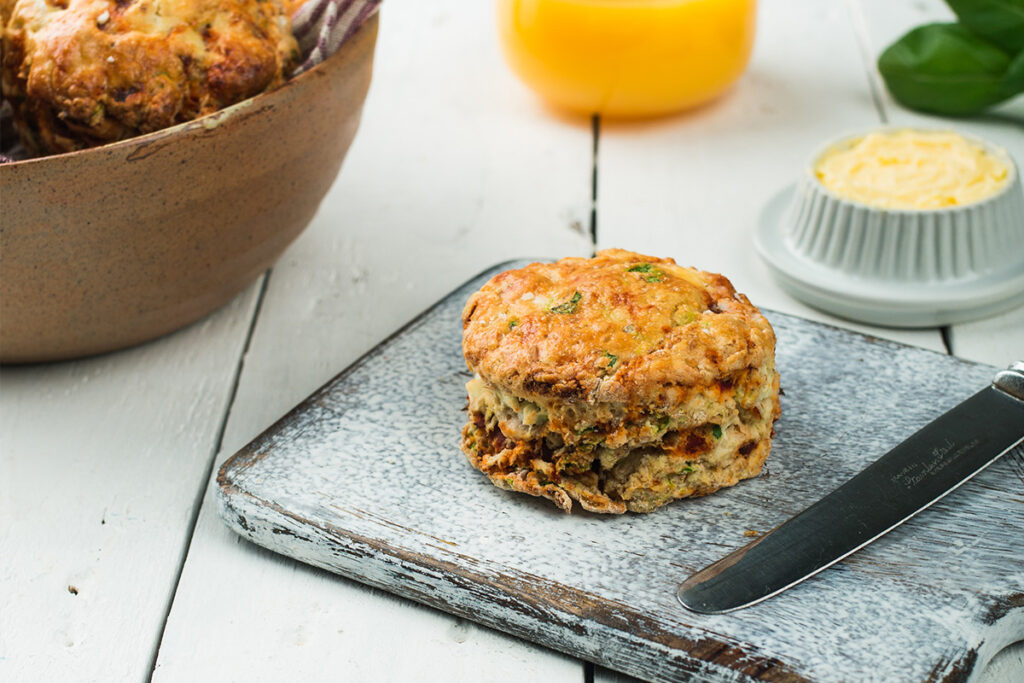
[(897, 267)]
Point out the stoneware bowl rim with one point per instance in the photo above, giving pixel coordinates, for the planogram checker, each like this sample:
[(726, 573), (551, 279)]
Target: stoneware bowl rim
[(207, 121)]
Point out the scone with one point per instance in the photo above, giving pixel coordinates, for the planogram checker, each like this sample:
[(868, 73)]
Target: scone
[(80, 73), (621, 381)]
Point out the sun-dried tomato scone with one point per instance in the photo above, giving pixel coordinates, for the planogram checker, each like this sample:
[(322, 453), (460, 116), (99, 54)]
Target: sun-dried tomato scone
[(621, 381), (80, 73)]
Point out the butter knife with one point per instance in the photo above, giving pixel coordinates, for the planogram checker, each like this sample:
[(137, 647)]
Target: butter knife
[(912, 476)]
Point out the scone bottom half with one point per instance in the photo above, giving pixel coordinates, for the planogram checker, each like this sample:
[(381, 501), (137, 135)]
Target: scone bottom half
[(621, 382)]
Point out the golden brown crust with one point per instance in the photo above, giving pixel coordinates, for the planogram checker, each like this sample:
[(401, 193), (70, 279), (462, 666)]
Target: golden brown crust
[(622, 382), (292, 6), (6, 7), (663, 325), (81, 73)]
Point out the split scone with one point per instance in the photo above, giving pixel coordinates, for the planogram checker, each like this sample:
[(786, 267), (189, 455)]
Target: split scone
[(621, 381)]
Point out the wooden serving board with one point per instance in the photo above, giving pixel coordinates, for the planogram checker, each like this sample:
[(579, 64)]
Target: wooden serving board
[(365, 478)]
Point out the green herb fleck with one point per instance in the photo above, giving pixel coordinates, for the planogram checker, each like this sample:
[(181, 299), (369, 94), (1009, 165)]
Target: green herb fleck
[(512, 323), (663, 422), (682, 316), (653, 274), (688, 469), (612, 359), (569, 306), (716, 431)]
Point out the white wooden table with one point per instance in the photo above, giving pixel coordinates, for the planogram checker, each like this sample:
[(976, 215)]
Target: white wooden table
[(113, 563)]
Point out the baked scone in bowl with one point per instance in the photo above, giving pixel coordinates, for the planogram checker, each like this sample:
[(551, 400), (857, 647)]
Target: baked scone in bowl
[(81, 73), (621, 382), (118, 241)]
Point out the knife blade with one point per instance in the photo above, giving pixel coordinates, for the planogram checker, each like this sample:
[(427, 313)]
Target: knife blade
[(912, 476)]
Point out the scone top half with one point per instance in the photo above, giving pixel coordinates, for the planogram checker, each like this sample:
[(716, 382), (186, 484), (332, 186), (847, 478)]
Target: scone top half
[(622, 345)]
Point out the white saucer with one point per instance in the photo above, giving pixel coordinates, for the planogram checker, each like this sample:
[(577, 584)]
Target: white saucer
[(880, 302)]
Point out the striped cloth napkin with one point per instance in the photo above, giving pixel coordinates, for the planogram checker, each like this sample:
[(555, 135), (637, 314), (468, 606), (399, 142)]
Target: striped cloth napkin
[(320, 27)]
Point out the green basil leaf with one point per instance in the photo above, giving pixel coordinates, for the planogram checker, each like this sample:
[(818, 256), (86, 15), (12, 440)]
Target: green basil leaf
[(1001, 22), (1014, 79), (945, 69)]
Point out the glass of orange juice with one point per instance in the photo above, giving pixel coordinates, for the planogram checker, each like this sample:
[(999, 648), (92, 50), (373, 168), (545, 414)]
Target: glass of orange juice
[(627, 58)]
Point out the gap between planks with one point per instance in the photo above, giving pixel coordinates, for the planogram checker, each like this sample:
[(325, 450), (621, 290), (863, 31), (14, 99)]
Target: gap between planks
[(197, 504), (595, 127)]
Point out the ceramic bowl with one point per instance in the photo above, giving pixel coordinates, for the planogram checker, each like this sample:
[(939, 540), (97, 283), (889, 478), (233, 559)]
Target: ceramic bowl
[(107, 247), (897, 267)]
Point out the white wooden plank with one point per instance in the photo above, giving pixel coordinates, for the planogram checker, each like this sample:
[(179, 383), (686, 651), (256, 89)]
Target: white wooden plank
[(456, 167), (1005, 667), (101, 461), (1000, 339), (692, 186)]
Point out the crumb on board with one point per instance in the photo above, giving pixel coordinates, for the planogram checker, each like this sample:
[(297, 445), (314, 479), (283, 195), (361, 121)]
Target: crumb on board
[(751, 533)]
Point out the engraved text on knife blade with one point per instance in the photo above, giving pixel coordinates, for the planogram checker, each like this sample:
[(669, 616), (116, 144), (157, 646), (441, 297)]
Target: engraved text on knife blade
[(942, 456)]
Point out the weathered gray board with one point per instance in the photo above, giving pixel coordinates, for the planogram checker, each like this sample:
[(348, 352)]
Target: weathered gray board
[(366, 479)]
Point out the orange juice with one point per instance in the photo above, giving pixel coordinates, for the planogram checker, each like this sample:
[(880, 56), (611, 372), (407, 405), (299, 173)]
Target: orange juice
[(627, 58)]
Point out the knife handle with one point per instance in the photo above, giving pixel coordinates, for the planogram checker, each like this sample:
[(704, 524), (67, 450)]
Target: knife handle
[(1011, 380)]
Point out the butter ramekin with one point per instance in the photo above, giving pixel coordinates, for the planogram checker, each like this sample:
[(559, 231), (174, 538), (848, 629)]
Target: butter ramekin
[(897, 267)]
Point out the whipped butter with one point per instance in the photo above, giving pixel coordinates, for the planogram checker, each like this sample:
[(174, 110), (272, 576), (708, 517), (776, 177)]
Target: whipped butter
[(912, 169)]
